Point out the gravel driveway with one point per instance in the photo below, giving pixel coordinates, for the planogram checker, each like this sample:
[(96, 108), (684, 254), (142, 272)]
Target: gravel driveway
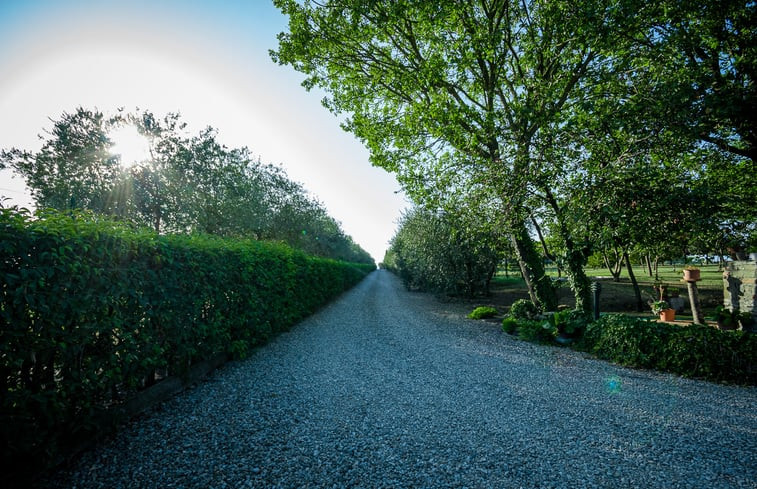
[(386, 388)]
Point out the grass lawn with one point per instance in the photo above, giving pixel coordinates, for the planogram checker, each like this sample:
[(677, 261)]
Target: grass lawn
[(619, 296), (712, 275)]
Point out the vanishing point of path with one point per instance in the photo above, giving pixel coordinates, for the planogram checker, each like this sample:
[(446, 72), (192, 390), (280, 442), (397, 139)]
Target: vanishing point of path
[(386, 388)]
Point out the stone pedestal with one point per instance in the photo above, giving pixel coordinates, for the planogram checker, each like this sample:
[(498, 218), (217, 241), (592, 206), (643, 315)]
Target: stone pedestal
[(739, 287)]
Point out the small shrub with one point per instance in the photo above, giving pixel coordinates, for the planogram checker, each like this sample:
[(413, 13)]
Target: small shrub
[(483, 312), (570, 322), (524, 309), (659, 306), (509, 325), (536, 331)]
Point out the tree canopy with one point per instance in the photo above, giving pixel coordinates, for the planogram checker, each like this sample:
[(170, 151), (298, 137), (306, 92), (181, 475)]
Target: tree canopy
[(189, 183), (534, 103)]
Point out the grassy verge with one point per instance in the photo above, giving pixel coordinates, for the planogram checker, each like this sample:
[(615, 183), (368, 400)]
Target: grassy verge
[(618, 296)]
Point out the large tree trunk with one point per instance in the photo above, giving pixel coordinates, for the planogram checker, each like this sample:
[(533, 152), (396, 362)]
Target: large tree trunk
[(539, 285), (579, 282), (636, 289), (489, 277), (575, 258)]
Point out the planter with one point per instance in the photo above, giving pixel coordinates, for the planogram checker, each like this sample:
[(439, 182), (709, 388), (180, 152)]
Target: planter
[(668, 315), (691, 275)]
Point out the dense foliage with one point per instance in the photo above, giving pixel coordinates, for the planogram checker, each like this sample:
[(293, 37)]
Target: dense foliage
[(92, 311), (187, 183), (432, 251), (600, 122), (694, 350)]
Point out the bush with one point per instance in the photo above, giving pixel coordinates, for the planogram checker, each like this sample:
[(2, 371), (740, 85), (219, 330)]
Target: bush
[(446, 253), (483, 312), (692, 351), (544, 328), (91, 311), (570, 322), (509, 324), (626, 340), (524, 309), (536, 331)]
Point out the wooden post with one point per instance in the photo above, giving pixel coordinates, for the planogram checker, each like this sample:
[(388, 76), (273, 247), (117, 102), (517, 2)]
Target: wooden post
[(694, 300)]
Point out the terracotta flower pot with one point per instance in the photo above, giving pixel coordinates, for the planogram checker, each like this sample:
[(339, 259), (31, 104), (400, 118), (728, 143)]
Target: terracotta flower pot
[(691, 275), (668, 315)]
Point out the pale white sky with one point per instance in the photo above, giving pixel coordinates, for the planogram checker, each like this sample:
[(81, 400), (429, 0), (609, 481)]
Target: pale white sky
[(207, 60)]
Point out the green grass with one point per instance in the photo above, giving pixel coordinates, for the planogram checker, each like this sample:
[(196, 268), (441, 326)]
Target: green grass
[(513, 280), (712, 275), (619, 296)]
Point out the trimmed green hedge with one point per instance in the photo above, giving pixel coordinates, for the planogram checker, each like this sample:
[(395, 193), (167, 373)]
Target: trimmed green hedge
[(92, 312), (695, 350)]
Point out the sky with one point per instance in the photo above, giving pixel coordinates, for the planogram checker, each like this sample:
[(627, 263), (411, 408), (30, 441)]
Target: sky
[(209, 61)]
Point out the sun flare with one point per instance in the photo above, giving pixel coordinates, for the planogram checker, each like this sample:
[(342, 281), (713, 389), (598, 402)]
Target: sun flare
[(129, 144)]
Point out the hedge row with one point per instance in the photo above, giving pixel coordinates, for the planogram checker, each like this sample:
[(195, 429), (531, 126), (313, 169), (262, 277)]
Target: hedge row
[(696, 350), (92, 312)]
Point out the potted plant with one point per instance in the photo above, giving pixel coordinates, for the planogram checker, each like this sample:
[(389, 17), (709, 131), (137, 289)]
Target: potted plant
[(691, 274), (663, 309)]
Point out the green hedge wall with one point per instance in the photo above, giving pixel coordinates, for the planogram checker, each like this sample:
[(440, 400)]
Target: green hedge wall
[(92, 311), (695, 350)]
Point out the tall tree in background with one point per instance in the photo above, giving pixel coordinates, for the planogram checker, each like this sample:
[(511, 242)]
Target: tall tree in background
[(74, 168), (186, 184)]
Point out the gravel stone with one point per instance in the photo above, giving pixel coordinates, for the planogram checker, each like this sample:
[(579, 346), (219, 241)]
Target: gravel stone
[(385, 388)]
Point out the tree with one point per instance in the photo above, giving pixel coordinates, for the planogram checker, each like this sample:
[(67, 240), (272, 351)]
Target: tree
[(155, 186), (443, 252), (668, 121), (188, 184), (434, 88), (703, 55), (74, 168)]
